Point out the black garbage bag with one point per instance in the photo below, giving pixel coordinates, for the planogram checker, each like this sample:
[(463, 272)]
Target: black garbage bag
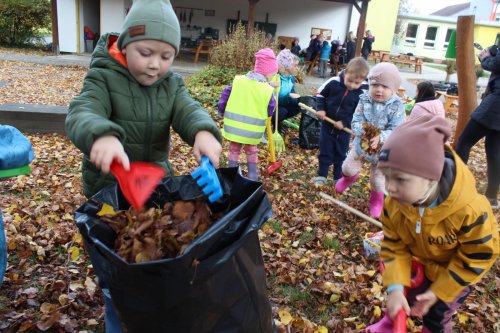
[(217, 285), (309, 125)]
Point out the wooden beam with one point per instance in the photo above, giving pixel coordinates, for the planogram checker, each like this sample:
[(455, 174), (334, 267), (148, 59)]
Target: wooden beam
[(466, 73), (361, 27), (55, 30), (349, 2), (252, 4)]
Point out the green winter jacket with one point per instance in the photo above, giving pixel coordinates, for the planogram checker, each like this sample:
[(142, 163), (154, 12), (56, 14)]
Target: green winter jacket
[(112, 102)]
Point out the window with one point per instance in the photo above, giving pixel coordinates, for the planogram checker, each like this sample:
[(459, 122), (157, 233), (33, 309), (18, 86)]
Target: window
[(447, 38), (430, 37), (411, 34)]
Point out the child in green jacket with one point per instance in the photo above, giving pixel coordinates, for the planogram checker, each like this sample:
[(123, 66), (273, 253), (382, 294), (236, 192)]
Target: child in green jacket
[(130, 100)]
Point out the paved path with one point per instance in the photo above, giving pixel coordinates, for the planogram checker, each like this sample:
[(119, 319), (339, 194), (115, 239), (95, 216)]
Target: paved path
[(185, 66)]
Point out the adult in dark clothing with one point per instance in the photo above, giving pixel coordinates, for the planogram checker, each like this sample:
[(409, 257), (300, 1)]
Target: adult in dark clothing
[(314, 46), (368, 41), (485, 122), (350, 46), (295, 46)]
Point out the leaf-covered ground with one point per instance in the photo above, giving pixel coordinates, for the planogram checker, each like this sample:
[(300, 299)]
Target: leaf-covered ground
[(318, 277)]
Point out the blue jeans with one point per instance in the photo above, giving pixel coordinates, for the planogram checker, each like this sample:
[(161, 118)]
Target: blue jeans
[(333, 148)]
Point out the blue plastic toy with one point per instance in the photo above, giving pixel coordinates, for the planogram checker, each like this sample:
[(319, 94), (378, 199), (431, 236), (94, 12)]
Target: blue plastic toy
[(207, 179), (15, 156)]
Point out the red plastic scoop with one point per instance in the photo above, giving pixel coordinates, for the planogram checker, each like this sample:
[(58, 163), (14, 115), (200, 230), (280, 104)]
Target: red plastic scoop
[(138, 184)]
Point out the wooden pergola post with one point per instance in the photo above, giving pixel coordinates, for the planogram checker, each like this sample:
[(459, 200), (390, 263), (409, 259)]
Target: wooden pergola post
[(251, 16), (466, 73), (55, 30), (361, 26)]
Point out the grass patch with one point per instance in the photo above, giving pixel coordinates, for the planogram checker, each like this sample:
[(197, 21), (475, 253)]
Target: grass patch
[(275, 225), (331, 244), (306, 237), (437, 66), (295, 294)]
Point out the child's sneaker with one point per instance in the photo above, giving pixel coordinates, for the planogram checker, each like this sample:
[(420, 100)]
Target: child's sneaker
[(493, 202), (319, 181)]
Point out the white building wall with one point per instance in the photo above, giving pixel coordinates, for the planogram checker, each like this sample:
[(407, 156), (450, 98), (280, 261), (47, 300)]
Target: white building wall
[(296, 18), (67, 23), (112, 15), (436, 52)]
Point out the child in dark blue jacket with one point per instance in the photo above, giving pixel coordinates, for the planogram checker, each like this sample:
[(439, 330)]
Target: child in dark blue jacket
[(337, 101)]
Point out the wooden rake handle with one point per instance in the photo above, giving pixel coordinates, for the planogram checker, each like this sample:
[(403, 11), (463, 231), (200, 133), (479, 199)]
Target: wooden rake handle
[(349, 208), (310, 109)]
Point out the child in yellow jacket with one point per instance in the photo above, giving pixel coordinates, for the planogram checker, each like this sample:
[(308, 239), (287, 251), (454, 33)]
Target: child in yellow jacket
[(434, 214)]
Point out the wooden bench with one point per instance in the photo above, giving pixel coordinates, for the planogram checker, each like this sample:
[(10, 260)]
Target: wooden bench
[(379, 56), (311, 63), (409, 60), (204, 47), (385, 57), (449, 100), (337, 66)]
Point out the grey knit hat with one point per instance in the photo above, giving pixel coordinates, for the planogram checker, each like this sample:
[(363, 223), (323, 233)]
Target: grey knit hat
[(151, 19)]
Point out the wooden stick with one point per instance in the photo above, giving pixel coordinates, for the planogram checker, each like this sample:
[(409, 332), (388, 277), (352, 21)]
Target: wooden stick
[(310, 109), (349, 208)]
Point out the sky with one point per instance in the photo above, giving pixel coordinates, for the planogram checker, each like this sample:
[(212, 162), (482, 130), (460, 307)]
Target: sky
[(430, 6)]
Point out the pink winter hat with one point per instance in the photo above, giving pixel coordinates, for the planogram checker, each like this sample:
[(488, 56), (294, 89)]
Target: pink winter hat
[(265, 62), (417, 147)]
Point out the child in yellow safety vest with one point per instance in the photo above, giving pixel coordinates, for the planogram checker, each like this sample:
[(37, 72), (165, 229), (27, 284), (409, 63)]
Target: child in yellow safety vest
[(245, 105)]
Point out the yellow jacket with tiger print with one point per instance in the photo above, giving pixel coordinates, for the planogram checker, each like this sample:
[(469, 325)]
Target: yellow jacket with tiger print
[(458, 240)]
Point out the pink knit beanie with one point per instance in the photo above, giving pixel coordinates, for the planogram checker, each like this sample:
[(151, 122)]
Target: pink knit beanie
[(417, 147), (386, 74), (265, 62)]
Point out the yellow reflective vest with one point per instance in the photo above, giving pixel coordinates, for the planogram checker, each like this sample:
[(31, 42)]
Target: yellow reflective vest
[(246, 111)]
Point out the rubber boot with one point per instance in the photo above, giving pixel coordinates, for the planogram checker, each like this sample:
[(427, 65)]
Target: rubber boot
[(344, 182), (253, 172), (376, 203), (385, 325), (232, 164)]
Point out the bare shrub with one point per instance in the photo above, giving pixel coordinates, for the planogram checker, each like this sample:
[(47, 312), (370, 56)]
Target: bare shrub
[(238, 49)]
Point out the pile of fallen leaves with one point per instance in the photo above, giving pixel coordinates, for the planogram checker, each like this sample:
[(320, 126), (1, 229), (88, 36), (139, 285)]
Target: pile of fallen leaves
[(159, 233), (369, 132), (318, 277)]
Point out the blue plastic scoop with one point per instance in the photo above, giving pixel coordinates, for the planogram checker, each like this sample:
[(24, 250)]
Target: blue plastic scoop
[(207, 179)]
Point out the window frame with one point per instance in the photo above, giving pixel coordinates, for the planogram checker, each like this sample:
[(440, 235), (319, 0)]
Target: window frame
[(411, 41), (430, 41)]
